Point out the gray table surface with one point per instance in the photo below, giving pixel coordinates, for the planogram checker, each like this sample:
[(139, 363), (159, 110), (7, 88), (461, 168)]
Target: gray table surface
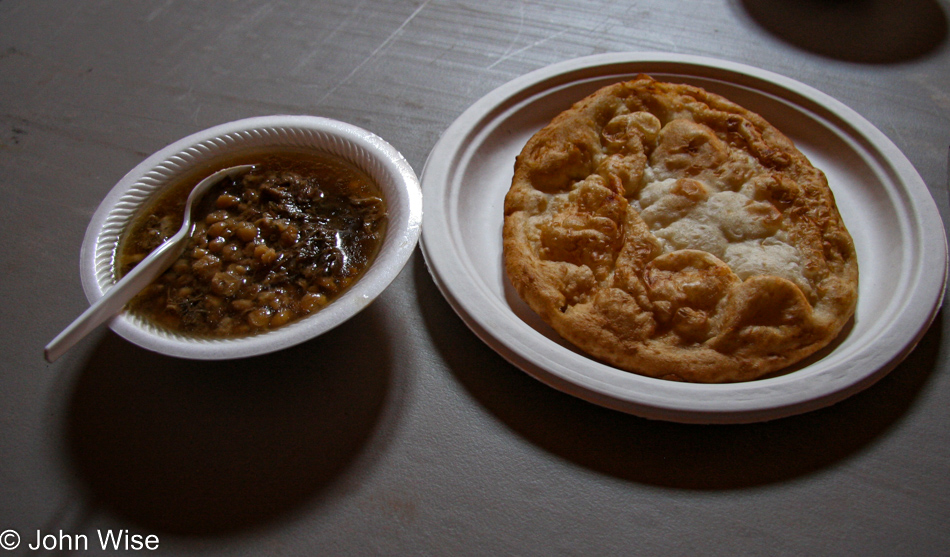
[(400, 432)]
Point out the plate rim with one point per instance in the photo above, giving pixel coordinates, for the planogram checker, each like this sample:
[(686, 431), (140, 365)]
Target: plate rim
[(455, 141)]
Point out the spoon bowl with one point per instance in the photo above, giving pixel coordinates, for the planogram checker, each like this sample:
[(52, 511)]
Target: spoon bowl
[(153, 265)]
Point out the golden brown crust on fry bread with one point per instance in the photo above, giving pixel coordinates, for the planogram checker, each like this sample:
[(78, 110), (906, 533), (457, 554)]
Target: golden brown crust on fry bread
[(670, 232)]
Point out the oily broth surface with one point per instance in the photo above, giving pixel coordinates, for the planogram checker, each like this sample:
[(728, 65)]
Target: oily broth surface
[(268, 248)]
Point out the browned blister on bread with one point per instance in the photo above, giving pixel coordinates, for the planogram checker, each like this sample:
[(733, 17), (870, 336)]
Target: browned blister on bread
[(669, 232)]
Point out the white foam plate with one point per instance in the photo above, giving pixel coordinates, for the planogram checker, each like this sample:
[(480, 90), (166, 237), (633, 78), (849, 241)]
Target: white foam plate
[(897, 230)]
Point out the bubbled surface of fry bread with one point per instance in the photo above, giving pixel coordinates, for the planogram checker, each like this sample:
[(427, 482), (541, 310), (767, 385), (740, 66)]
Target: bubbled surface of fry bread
[(669, 232)]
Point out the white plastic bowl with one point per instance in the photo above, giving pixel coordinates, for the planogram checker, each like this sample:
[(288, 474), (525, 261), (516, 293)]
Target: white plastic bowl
[(370, 153)]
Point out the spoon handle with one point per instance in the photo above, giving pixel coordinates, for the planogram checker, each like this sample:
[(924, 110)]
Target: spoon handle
[(115, 298)]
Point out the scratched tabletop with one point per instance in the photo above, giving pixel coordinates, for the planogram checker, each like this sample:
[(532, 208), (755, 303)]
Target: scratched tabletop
[(401, 432)]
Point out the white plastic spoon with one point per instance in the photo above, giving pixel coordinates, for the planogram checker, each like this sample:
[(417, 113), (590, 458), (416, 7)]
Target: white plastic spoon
[(115, 298)]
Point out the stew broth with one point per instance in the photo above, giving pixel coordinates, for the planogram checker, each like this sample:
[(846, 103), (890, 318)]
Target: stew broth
[(269, 247)]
